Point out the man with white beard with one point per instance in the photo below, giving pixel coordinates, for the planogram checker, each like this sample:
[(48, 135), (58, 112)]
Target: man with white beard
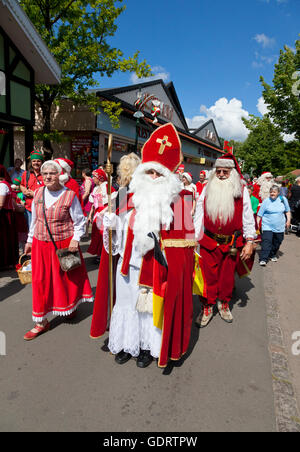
[(225, 228), (265, 182), (152, 317)]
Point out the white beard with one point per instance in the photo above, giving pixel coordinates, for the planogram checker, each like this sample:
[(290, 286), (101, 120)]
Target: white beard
[(220, 195), (152, 200), (264, 191)]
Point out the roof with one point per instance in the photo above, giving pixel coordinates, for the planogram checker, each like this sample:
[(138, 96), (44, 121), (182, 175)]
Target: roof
[(25, 37), (119, 94)]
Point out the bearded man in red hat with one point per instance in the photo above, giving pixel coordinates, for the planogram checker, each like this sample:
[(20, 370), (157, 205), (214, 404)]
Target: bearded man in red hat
[(225, 228), (154, 241), (67, 166), (263, 185)]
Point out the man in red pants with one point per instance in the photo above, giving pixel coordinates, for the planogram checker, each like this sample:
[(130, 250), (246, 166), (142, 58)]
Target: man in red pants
[(225, 228)]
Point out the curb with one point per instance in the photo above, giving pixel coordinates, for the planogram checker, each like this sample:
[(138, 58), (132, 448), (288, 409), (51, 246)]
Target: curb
[(286, 408)]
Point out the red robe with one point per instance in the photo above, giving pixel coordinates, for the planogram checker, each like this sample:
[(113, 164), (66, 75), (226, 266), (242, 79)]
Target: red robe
[(178, 302), (219, 266)]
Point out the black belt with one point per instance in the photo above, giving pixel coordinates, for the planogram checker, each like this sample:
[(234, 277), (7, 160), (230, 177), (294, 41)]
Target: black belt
[(221, 238)]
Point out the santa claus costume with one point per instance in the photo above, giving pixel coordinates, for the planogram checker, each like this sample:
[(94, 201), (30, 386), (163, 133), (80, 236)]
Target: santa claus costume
[(224, 221), (144, 323), (54, 291), (261, 189), (201, 183)]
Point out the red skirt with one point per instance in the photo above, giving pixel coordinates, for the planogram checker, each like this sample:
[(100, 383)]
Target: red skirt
[(53, 290)]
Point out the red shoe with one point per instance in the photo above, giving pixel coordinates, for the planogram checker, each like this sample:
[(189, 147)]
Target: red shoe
[(36, 331)]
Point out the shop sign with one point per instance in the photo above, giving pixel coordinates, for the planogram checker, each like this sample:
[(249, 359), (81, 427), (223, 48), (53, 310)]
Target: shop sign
[(166, 110)]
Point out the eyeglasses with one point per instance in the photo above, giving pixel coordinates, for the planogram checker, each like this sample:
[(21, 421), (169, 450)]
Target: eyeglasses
[(225, 172)]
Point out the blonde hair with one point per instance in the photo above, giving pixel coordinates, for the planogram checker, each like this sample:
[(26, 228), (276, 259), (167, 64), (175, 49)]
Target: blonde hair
[(126, 168)]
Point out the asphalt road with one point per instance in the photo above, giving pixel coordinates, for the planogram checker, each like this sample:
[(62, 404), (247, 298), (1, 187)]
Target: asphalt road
[(65, 381)]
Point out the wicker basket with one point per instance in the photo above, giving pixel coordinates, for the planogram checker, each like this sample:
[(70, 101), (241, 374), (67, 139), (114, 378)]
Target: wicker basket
[(25, 277)]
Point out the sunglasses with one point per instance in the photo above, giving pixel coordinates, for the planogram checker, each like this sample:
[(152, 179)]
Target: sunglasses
[(225, 172)]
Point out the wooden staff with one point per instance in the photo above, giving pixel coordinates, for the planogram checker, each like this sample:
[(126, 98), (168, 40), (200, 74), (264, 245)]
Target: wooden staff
[(109, 171)]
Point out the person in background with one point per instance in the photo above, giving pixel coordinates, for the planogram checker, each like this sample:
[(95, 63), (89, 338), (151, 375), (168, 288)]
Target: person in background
[(31, 180), (253, 199), (275, 215), (294, 201), (16, 171), (85, 190), (21, 223), (54, 291), (66, 166), (283, 189), (187, 182), (99, 199), (201, 183), (9, 248)]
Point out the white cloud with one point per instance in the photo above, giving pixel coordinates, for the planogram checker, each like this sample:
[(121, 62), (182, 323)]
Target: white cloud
[(261, 106), (227, 116), (159, 73), (264, 40), (263, 109)]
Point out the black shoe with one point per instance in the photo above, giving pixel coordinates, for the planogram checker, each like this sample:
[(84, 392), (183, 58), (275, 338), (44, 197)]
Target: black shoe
[(122, 357), (144, 359)]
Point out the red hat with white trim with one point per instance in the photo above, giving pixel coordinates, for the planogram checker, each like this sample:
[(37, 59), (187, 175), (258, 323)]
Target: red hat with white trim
[(66, 164), (100, 173), (228, 161), (163, 148), (188, 177)]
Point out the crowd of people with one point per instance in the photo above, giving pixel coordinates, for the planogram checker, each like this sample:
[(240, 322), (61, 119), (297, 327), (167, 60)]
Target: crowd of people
[(145, 233)]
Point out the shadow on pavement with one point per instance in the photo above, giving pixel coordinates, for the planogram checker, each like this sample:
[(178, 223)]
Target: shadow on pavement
[(12, 287)]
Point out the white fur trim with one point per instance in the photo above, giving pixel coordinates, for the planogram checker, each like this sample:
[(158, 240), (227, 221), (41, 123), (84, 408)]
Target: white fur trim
[(187, 176), (224, 163), (53, 163), (64, 313), (64, 165), (161, 169)]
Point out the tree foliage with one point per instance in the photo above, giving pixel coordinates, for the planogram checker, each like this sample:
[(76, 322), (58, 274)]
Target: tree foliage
[(263, 150), (77, 33), (283, 98)]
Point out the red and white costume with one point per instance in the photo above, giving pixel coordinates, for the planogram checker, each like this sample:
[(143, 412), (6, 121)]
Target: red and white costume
[(218, 265), (53, 290), (130, 329)]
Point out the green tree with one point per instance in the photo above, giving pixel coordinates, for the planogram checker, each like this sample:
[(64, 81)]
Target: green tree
[(283, 98), (77, 32), (263, 150)]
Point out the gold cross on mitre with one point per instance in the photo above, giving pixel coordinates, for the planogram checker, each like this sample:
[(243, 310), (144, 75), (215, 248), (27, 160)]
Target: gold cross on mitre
[(163, 143)]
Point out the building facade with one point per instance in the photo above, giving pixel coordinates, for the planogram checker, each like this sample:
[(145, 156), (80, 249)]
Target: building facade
[(24, 61)]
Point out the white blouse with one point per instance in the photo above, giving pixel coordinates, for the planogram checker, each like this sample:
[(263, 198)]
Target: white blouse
[(75, 212)]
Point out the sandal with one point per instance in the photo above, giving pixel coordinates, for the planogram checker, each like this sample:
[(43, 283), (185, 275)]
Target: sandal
[(36, 331)]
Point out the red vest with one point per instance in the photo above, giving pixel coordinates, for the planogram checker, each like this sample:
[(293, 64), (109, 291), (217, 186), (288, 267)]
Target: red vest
[(58, 217), (235, 224)]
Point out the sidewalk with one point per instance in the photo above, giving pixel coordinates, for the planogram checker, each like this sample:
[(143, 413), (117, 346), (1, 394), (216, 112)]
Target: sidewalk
[(282, 293)]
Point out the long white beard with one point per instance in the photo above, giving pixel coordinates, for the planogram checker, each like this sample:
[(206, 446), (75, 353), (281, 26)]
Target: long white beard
[(152, 199), (220, 195), (264, 191)]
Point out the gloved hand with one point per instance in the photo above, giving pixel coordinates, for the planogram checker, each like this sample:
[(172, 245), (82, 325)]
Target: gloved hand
[(110, 220)]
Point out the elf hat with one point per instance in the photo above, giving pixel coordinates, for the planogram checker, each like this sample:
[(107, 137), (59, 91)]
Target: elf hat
[(228, 161), (36, 155), (188, 177), (66, 164), (163, 149), (99, 173)]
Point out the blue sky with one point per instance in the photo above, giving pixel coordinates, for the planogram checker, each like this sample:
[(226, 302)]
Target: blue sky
[(213, 51)]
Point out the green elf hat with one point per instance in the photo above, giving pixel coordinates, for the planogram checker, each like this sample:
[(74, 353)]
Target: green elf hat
[(36, 155), (17, 181)]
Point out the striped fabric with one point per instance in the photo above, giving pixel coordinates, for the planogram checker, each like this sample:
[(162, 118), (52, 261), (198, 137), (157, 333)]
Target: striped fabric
[(58, 217)]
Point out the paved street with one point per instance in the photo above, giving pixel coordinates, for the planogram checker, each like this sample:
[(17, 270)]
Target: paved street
[(64, 381)]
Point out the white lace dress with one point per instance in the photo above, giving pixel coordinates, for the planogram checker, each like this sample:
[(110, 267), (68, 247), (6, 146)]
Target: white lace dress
[(129, 330)]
